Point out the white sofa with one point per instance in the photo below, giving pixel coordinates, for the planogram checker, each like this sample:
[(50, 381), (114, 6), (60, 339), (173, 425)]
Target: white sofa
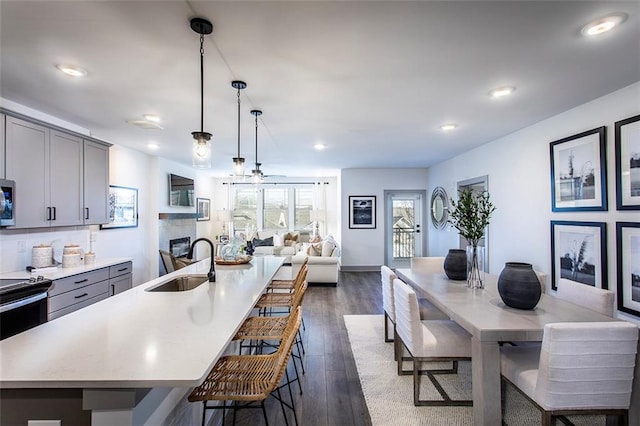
[(323, 262), (278, 247)]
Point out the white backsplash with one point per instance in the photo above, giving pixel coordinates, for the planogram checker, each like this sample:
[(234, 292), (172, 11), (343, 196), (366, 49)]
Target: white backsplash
[(15, 247)]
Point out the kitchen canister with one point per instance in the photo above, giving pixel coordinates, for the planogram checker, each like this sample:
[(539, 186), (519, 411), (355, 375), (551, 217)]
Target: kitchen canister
[(71, 256), (89, 258), (41, 256)]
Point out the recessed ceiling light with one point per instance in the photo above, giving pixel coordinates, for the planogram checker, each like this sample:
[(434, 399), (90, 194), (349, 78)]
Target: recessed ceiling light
[(72, 70), (152, 146), (603, 25), (153, 118), (500, 92), (448, 127), (319, 146)]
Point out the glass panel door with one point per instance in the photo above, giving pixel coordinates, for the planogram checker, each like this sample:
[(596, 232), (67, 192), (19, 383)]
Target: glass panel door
[(404, 230)]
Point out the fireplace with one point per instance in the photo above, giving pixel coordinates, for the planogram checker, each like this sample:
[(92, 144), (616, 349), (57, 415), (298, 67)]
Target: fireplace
[(179, 247)]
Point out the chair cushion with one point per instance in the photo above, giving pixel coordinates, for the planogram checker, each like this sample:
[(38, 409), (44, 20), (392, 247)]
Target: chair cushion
[(519, 364)]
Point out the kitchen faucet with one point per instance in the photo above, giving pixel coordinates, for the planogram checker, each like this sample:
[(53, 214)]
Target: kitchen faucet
[(212, 269)]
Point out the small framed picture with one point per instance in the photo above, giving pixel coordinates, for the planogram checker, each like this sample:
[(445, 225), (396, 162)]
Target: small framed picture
[(362, 211), (224, 239), (628, 253), (628, 163), (579, 172), (202, 209), (122, 209), (578, 253)]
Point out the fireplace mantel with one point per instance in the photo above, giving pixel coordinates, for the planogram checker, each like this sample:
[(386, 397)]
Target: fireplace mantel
[(177, 215)]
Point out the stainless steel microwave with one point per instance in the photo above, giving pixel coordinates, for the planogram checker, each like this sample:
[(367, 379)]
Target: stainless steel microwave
[(7, 202)]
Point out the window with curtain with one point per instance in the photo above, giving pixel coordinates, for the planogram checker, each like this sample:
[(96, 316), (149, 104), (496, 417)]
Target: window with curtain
[(246, 208), (276, 208), (303, 206)]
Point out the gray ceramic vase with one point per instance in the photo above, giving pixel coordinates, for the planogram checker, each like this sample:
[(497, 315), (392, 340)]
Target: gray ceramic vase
[(455, 264), (519, 286)]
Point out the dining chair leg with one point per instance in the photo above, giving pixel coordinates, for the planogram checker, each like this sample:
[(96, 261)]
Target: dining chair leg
[(264, 413), (235, 410), (204, 411)]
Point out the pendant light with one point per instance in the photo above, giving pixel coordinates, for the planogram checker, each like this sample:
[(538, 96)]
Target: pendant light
[(238, 162), (202, 139), (257, 178)]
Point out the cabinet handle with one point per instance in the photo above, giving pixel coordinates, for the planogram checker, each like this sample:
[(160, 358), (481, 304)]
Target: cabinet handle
[(48, 213), (86, 211), (54, 213), (81, 296), (113, 289), (81, 281), (121, 270)]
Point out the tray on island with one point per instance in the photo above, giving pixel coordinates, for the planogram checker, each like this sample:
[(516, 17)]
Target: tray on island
[(238, 261)]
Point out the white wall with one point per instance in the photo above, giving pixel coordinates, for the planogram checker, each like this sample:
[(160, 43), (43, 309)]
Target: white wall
[(364, 248), (519, 184)]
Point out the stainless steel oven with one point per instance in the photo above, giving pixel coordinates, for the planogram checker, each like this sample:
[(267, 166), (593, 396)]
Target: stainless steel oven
[(23, 305)]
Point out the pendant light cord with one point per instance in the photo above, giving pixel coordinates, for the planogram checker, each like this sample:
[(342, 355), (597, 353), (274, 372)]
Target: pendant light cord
[(257, 142), (202, 83), (238, 124)]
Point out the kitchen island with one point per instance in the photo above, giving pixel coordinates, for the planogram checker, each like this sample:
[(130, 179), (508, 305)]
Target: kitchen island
[(117, 349)]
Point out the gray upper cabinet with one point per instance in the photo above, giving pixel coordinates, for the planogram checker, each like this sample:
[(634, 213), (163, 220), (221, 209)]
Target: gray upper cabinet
[(96, 183), (65, 181), (27, 148), (62, 178)]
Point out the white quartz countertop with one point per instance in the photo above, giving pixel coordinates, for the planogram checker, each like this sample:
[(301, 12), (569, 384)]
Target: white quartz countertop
[(61, 272), (139, 339)]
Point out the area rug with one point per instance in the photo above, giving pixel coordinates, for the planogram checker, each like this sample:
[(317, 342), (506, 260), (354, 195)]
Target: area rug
[(389, 397)]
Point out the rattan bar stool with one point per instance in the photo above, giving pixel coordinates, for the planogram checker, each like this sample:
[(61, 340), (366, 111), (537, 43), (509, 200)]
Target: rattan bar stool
[(281, 301), (287, 285), (266, 330), (250, 379)]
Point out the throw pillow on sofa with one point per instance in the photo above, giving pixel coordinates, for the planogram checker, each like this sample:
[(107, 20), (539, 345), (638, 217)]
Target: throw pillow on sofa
[(290, 239), (315, 249), (327, 248), (266, 242), (278, 240)]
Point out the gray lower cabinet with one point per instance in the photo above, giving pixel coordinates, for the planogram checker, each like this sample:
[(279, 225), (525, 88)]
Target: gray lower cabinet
[(120, 278), (69, 294)]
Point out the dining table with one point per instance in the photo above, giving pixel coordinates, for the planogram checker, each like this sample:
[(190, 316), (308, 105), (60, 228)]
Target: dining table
[(483, 314)]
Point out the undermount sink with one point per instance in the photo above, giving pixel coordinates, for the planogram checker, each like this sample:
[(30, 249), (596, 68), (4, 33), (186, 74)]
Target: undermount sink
[(180, 283)]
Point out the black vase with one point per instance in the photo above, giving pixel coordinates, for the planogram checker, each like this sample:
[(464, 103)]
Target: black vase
[(519, 286), (455, 264)]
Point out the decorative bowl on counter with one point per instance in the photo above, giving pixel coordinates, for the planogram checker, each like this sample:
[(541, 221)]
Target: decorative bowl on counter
[(240, 260)]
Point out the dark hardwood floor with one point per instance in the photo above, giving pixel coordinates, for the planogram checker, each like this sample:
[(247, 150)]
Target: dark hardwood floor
[(331, 389)]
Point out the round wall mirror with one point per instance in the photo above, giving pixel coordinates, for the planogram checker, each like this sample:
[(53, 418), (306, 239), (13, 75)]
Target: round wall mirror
[(439, 207)]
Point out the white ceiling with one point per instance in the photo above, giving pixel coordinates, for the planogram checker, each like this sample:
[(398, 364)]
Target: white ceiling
[(373, 80)]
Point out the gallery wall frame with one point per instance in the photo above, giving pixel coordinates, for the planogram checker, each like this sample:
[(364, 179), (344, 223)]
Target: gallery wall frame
[(579, 172), (362, 211), (122, 208), (579, 253), (627, 151), (628, 271), (203, 209)]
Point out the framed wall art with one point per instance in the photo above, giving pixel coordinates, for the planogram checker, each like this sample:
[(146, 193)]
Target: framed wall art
[(202, 209), (578, 253), (122, 209), (579, 172), (627, 144), (362, 211), (628, 253)]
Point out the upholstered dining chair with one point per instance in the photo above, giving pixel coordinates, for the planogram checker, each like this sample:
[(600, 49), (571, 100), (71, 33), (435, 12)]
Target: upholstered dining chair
[(596, 299), (427, 309), (581, 368), (426, 341)]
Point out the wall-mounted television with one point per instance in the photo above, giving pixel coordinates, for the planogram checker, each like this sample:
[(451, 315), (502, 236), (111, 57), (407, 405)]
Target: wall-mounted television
[(181, 191)]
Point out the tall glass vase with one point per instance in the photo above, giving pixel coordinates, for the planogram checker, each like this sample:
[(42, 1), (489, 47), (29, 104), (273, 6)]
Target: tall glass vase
[(475, 266)]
